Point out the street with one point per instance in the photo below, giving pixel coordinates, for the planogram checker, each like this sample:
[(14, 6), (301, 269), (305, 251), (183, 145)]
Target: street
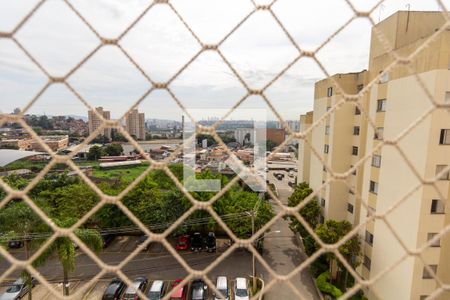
[(282, 252)]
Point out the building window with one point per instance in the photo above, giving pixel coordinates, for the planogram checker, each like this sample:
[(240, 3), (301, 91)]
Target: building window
[(376, 161), (381, 105), (326, 148), (436, 243), (447, 95), (379, 133), (356, 130), (445, 175), (354, 150), (350, 208), (359, 87), (330, 91), (322, 202), (373, 187), (367, 262), (444, 138), (324, 168), (328, 108), (357, 111), (327, 130), (428, 275), (437, 206), (424, 297), (369, 238), (350, 190)]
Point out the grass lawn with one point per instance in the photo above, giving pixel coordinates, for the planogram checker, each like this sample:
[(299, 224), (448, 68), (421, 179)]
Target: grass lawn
[(126, 174)]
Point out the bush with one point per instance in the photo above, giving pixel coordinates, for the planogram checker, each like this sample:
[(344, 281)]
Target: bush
[(324, 286)]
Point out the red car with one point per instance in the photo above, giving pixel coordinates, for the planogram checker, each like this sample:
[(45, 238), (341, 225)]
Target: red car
[(179, 294), (183, 242)]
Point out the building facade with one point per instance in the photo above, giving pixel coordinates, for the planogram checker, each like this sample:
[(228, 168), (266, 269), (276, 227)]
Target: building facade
[(304, 148), (380, 176), (135, 124), (95, 122)]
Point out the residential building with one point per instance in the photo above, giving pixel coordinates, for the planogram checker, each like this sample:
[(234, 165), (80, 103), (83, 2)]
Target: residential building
[(304, 148), (95, 122), (54, 142), (391, 173), (276, 135), (135, 124)]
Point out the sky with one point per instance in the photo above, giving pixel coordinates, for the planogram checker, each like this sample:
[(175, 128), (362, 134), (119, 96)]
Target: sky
[(161, 45)]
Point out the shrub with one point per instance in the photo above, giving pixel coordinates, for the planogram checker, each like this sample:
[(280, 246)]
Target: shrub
[(324, 286)]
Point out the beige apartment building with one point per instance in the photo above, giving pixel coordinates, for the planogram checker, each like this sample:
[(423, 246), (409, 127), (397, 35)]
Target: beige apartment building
[(135, 124), (393, 172), (95, 122), (304, 148)]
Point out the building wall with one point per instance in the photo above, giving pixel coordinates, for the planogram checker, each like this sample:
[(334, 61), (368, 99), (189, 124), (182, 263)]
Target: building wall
[(304, 148), (94, 122), (135, 124), (276, 135)]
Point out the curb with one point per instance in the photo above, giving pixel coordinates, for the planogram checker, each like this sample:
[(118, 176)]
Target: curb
[(300, 242)]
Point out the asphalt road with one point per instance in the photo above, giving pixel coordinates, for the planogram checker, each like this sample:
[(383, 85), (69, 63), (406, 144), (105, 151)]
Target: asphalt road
[(282, 253)]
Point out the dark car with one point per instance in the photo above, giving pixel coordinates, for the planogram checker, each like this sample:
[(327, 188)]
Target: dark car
[(114, 290), (139, 283), (198, 290), (196, 242), (15, 244), (210, 242), (107, 239)]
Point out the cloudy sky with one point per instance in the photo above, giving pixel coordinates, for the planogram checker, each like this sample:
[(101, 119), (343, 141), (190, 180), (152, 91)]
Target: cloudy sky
[(161, 45)]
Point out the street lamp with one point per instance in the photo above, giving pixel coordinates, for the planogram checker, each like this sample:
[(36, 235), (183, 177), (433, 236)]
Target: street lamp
[(253, 254)]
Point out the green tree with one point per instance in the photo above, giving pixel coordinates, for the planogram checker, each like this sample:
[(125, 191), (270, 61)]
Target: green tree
[(95, 152), (113, 149), (64, 249), (333, 231), (270, 145), (310, 212), (19, 221)]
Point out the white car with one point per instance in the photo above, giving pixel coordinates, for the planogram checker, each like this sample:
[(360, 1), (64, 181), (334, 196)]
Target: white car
[(241, 289), (222, 286)]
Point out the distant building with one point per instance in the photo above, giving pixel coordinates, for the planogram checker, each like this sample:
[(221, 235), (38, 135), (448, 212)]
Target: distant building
[(54, 142), (95, 122), (276, 135), (244, 135), (135, 124)]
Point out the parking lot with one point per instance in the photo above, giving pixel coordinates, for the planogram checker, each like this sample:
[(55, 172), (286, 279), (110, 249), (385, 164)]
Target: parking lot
[(96, 291)]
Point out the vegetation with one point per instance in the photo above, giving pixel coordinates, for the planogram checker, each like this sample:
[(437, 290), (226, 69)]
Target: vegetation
[(330, 232), (270, 145), (324, 286)]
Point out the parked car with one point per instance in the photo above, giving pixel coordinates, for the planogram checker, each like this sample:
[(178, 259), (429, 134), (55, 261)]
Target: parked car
[(107, 239), (139, 283), (179, 294), (156, 291), (114, 290), (182, 242), (199, 290), (15, 244), (241, 289), (222, 287), (196, 242), (17, 290), (210, 242)]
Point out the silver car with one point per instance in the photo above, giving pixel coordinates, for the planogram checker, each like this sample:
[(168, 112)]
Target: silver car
[(16, 290)]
